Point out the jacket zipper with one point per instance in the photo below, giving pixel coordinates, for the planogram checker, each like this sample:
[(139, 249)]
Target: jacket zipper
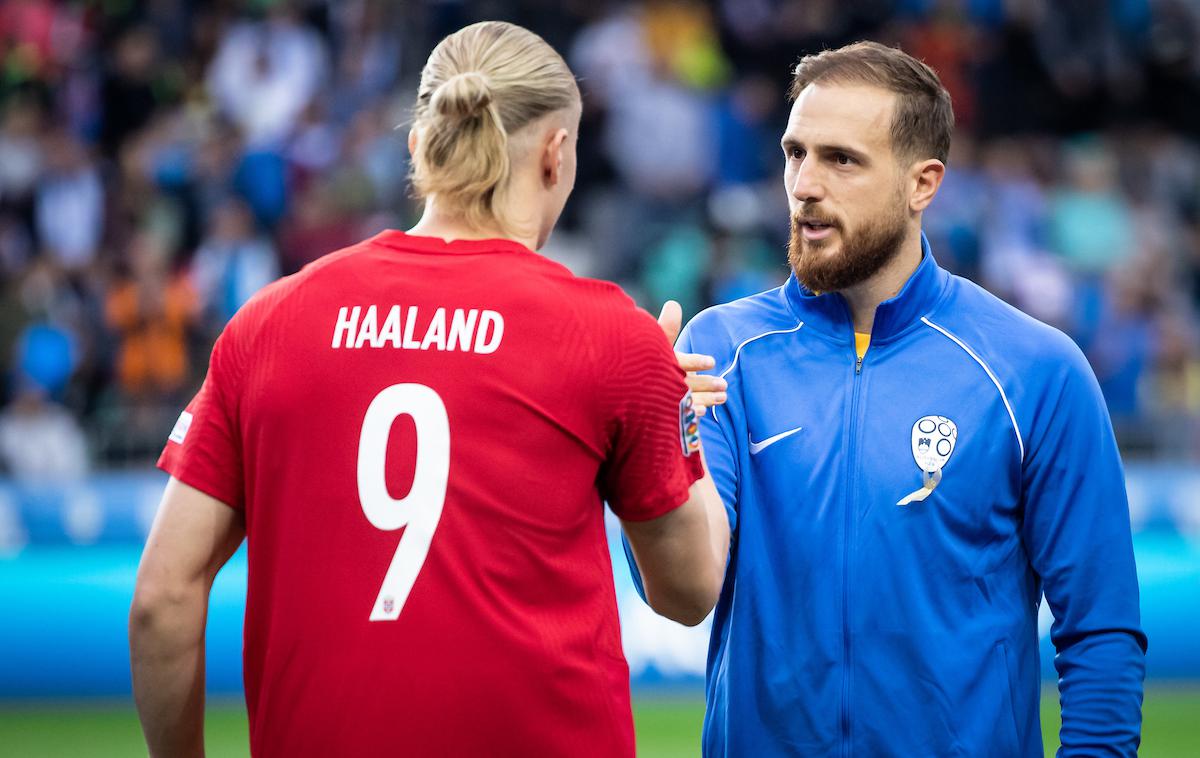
[(848, 542)]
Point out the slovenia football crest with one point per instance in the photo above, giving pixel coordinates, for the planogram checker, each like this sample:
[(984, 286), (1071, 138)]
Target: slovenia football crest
[(933, 439)]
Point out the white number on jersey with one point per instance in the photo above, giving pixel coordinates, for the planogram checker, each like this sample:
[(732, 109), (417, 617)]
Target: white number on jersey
[(421, 509)]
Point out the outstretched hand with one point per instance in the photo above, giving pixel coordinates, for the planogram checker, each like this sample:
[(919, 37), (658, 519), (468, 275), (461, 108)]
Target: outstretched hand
[(706, 390)]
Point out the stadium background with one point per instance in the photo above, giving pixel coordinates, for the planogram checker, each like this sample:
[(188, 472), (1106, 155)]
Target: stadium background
[(162, 160)]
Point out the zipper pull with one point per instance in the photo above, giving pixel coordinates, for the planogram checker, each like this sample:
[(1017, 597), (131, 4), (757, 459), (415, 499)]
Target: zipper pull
[(858, 365)]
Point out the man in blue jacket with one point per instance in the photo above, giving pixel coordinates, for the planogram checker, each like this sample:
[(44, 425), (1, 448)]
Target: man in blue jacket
[(908, 464)]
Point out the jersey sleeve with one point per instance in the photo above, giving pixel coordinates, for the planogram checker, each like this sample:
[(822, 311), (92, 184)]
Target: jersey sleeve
[(649, 467), (716, 432), (1077, 534), (721, 459), (204, 450)]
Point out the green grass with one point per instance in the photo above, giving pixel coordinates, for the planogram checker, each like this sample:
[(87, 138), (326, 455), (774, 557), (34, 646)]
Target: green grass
[(1170, 722), (666, 728)]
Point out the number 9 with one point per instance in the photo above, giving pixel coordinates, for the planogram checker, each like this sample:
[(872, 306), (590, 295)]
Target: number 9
[(421, 509)]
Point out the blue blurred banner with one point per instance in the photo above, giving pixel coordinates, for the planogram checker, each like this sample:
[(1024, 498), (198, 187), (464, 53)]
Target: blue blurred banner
[(68, 556)]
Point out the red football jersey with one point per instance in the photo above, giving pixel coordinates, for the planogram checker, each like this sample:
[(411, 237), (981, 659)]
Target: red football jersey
[(421, 435)]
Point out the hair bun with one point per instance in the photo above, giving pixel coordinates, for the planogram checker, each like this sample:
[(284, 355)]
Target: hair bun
[(462, 96)]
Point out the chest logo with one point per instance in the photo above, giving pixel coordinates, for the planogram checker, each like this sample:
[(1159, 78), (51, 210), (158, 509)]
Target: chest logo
[(758, 447), (933, 439)]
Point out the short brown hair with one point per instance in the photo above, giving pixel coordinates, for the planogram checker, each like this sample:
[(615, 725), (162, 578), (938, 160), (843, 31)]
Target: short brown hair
[(924, 118)]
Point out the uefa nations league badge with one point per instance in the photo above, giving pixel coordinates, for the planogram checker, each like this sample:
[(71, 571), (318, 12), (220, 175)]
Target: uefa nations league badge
[(689, 425), (933, 439)]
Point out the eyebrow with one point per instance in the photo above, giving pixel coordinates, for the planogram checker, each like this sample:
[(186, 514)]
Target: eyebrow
[(791, 142)]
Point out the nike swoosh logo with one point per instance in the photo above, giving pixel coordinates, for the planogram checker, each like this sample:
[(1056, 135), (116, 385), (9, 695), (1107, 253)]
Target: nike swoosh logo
[(758, 447)]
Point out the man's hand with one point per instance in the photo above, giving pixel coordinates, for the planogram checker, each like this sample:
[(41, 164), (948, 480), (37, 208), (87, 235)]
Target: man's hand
[(706, 390)]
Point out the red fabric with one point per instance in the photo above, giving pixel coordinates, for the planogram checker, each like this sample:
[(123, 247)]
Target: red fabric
[(508, 643)]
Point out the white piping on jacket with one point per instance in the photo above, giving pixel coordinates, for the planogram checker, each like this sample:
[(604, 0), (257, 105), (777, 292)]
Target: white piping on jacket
[(1012, 416)]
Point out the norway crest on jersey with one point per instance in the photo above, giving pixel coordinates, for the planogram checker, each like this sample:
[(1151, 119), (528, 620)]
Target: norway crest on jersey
[(933, 439)]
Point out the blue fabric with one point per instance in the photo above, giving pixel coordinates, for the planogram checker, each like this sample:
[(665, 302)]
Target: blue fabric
[(850, 625), (740, 145), (261, 178), (45, 358)]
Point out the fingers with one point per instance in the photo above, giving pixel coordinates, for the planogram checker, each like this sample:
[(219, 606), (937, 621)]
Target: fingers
[(702, 401), (671, 320), (706, 383), (707, 391), (694, 361)]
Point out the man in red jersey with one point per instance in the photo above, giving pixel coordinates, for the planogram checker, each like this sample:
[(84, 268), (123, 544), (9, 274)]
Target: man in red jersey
[(416, 434)]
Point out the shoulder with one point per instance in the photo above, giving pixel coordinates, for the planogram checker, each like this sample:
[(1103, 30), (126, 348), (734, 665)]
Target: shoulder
[(1000, 331), (1033, 363), (592, 294), (603, 306), (723, 330)]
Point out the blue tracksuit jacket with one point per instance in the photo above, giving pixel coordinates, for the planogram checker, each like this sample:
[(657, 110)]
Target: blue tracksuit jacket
[(850, 625)]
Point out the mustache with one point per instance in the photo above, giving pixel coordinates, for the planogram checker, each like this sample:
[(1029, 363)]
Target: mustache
[(806, 215)]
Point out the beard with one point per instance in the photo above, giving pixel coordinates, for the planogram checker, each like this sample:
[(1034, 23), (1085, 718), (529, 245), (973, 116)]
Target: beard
[(863, 252)]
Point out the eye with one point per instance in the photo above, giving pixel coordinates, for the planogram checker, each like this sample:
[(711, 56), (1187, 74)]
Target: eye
[(843, 159), (797, 153)]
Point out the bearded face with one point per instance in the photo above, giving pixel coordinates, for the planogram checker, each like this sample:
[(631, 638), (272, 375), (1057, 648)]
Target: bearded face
[(830, 253)]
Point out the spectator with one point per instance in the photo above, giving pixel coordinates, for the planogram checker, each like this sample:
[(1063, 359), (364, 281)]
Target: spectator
[(21, 162), (368, 61), (266, 73), (127, 95), (746, 132), (1124, 346), (70, 203), (233, 263), (41, 440), (151, 312), (125, 128), (1175, 388), (1090, 220), (316, 227)]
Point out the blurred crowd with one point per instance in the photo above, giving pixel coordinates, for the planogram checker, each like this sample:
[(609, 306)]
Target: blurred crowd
[(162, 160)]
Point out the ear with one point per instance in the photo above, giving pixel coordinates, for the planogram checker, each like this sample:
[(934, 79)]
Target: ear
[(924, 179), (552, 157), (412, 141)]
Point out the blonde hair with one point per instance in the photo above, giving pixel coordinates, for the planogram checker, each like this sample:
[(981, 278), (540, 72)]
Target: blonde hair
[(480, 85)]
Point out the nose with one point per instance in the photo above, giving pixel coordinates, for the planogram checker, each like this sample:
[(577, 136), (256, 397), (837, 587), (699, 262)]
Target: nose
[(805, 182)]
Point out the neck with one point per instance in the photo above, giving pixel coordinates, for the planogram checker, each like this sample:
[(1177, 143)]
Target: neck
[(437, 222), (864, 298)]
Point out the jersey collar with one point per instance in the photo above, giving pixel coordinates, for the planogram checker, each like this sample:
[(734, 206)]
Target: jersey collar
[(830, 315), (416, 244)]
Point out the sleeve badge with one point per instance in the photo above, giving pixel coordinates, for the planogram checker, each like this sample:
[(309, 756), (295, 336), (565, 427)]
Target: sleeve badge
[(689, 425)]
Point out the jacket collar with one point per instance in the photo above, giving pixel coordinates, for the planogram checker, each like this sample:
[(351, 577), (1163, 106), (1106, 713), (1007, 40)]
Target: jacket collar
[(829, 313)]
